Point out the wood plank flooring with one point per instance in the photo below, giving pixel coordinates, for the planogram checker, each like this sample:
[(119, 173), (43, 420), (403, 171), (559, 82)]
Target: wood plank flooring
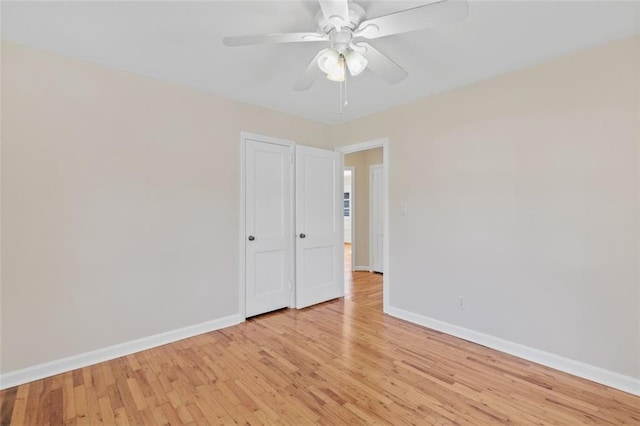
[(340, 363)]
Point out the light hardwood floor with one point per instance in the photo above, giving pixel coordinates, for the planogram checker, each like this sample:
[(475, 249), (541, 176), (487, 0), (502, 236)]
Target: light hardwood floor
[(342, 362)]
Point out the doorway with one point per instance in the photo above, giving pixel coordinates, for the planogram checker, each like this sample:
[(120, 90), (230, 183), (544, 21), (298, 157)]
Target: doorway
[(348, 215), (367, 250)]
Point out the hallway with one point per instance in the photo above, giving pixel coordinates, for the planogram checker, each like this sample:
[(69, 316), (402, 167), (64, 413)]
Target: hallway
[(363, 288)]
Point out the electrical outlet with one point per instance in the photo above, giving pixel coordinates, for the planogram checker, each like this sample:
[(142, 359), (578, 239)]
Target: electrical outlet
[(460, 302)]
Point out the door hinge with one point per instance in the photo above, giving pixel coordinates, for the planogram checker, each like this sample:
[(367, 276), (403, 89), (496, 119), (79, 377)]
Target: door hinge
[(291, 158)]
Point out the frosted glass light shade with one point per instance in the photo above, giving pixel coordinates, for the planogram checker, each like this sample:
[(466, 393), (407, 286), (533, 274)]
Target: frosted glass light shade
[(329, 60), (337, 73), (356, 62)]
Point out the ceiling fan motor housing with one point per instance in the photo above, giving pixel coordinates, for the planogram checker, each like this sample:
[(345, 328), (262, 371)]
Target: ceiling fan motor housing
[(356, 15), (340, 40)]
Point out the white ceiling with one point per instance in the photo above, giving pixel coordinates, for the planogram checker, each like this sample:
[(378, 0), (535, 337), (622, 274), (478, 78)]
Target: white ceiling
[(180, 42)]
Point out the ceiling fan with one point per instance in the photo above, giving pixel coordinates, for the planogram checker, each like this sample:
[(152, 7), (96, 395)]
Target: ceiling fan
[(342, 23)]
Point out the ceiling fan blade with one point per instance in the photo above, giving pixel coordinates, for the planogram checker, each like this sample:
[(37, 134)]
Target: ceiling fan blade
[(273, 38), (431, 15), (380, 64), (336, 12), (310, 75)]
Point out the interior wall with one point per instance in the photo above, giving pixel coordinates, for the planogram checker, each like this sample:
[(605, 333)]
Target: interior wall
[(522, 196), (120, 205), (120, 215), (361, 160)]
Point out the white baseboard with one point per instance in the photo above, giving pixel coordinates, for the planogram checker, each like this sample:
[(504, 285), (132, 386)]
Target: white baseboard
[(47, 369), (362, 268), (580, 369), (609, 378)]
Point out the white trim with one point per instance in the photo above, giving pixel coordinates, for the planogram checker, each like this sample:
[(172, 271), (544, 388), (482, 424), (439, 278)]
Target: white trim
[(340, 218), (609, 378), (373, 167), (362, 146), (292, 224), (362, 268), (244, 136), (266, 139), (47, 369), (242, 228), (352, 212)]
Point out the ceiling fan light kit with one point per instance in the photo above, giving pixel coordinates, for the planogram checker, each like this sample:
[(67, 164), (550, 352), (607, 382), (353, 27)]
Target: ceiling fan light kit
[(332, 63), (337, 72), (328, 60), (356, 62), (343, 24)]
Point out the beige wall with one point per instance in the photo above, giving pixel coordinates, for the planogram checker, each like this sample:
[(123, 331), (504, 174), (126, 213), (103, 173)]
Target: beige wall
[(361, 161), (120, 211), (523, 197), (120, 205)]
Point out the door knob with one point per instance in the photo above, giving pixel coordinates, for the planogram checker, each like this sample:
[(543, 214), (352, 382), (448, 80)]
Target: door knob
[(303, 236), (251, 238)]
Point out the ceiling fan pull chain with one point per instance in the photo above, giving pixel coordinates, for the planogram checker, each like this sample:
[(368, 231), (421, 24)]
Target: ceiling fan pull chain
[(341, 96), (343, 92), (345, 89)]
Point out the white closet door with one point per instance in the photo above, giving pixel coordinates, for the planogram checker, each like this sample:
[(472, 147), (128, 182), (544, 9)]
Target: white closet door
[(269, 226), (319, 222)]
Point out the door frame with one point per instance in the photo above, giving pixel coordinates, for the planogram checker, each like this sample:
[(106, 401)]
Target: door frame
[(363, 146), (244, 136), (371, 204), (352, 211)]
